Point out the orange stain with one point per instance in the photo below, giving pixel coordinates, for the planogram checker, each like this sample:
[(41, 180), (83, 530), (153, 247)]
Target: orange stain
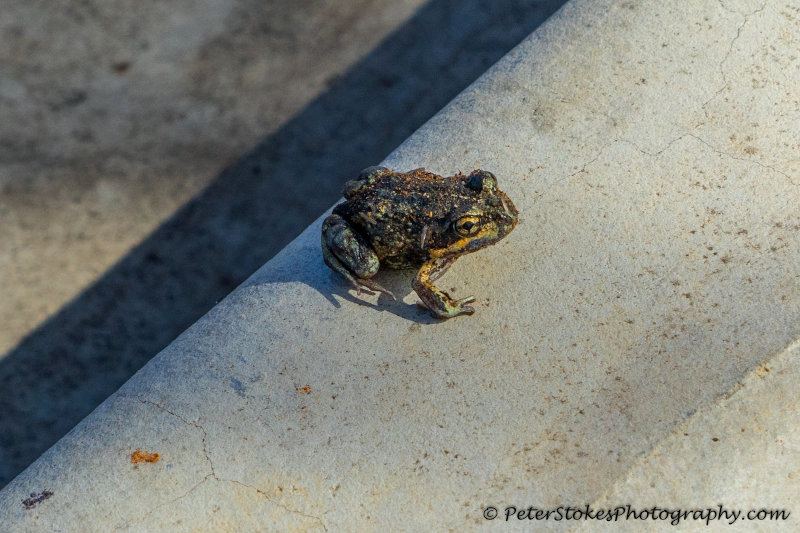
[(144, 457)]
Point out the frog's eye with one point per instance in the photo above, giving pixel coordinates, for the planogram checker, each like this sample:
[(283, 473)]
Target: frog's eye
[(468, 225)]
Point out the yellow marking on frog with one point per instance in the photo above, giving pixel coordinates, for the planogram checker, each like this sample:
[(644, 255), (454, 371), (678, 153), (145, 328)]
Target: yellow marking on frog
[(460, 244)]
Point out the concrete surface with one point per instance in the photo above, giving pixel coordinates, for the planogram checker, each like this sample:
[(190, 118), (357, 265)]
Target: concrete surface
[(112, 117), (111, 123), (741, 450), (635, 337)]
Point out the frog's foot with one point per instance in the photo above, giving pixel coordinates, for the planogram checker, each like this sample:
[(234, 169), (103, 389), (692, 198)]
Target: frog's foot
[(438, 302), (358, 283), (449, 309), (348, 254)]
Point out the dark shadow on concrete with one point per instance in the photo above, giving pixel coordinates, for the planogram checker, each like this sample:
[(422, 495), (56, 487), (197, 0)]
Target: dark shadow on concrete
[(335, 288), (60, 372)]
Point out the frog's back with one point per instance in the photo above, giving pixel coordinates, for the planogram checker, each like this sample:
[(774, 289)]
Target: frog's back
[(390, 210)]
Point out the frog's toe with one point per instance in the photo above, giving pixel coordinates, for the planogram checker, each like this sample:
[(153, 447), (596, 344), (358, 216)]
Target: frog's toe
[(461, 307), (373, 286), (451, 308)]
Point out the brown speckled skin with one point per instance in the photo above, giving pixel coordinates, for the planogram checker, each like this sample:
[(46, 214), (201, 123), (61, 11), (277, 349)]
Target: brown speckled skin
[(411, 220)]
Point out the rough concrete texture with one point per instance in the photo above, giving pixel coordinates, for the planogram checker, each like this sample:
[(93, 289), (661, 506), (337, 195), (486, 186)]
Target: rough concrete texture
[(741, 450), (103, 103), (112, 116), (635, 340)]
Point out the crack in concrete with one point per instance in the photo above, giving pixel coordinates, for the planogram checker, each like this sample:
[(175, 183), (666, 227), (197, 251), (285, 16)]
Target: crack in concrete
[(656, 153), (187, 422), (745, 159), (660, 151), (726, 82), (667, 146), (163, 504), (211, 474), (599, 153), (587, 163), (193, 487), (278, 504)]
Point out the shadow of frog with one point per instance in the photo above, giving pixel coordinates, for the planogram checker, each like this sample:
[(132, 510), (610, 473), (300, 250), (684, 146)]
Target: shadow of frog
[(398, 282), (301, 262)]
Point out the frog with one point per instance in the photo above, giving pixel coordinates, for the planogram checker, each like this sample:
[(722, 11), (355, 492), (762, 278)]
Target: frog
[(415, 219)]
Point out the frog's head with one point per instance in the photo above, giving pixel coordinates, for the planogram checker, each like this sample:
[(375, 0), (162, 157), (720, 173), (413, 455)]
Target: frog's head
[(490, 216)]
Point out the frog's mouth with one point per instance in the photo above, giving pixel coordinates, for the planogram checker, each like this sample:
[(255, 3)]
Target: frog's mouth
[(505, 201), (509, 208)]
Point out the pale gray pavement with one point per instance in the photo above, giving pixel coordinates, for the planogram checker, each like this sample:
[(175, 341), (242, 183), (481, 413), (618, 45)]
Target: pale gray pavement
[(635, 339), (113, 115)]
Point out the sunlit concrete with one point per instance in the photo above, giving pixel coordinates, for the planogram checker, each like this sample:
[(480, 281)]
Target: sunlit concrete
[(634, 342)]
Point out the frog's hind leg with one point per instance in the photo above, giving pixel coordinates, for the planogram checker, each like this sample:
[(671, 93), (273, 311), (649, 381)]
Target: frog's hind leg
[(344, 252)]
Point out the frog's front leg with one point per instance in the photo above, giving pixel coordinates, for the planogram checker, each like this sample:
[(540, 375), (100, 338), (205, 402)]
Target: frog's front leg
[(436, 300), (347, 253)]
